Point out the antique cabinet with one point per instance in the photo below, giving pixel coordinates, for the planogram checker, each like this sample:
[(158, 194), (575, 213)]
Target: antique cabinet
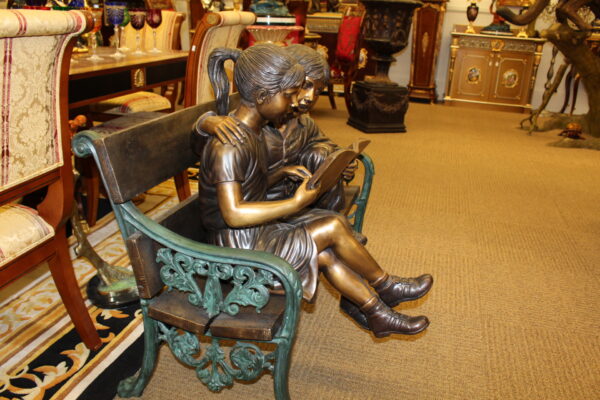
[(427, 30), (492, 71)]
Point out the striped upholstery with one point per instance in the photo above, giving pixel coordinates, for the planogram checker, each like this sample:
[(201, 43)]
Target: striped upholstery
[(224, 34), (29, 132), (165, 33), (21, 229)]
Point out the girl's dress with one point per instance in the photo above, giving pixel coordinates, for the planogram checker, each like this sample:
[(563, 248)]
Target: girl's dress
[(247, 163)]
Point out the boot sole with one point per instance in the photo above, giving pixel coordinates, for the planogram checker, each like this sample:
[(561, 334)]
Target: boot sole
[(388, 333)]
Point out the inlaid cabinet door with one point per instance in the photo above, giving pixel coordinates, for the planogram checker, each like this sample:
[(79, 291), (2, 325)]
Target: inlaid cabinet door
[(512, 77), (472, 75)]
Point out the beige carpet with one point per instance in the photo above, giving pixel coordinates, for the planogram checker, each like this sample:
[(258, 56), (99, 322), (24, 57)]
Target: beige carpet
[(510, 229)]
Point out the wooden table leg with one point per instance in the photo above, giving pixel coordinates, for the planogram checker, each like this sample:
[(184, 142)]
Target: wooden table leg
[(182, 184)]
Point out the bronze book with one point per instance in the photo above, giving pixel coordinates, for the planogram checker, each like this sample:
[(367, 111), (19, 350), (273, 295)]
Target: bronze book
[(330, 171)]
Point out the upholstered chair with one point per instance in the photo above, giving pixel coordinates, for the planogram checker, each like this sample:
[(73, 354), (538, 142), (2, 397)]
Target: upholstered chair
[(36, 48), (167, 39), (218, 29)]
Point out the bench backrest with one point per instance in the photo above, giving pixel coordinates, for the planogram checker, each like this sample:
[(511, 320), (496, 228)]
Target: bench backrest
[(138, 158)]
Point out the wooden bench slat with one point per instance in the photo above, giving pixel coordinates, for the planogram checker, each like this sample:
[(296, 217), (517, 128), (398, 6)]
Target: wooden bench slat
[(174, 309), (250, 325)]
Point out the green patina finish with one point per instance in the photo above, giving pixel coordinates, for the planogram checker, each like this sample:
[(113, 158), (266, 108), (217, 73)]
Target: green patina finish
[(249, 286), (246, 360), (358, 216)]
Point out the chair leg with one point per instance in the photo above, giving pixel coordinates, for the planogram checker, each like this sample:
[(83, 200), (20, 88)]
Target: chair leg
[(331, 96), (90, 180), (66, 283), (170, 92), (135, 385), (281, 371), (182, 184)]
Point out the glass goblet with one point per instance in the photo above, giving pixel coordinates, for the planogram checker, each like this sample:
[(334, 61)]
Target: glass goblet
[(138, 20), (122, 25), (154, 19), (92, 36), (115, 11)]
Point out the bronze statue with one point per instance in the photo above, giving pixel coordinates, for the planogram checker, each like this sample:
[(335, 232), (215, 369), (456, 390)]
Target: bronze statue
[(234, 180), (298, 141)]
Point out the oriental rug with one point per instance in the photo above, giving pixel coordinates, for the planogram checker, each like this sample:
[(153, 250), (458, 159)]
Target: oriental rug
[(42, 356)]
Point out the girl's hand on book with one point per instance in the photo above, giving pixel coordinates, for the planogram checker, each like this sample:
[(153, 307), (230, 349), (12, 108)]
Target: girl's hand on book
[(305, 196), (296, 172)]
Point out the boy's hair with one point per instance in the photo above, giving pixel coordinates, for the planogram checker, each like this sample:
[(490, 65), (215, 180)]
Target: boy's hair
[(262, 66), (314, 64)]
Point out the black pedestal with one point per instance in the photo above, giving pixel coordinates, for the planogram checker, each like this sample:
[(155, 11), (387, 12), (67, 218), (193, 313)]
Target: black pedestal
[(378, 108), (110, 299)]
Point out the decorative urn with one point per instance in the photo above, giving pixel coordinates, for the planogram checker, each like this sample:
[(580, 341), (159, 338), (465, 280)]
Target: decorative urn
[(378, 104), (472, 12)]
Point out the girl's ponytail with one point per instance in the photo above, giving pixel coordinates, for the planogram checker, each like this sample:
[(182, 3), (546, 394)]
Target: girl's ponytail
[(218, 76)]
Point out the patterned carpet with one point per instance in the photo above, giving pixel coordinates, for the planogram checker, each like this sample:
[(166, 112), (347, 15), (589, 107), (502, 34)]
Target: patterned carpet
[(41, 356)]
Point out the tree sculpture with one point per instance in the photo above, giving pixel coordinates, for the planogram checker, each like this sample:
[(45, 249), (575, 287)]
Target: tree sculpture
[(569, 35)]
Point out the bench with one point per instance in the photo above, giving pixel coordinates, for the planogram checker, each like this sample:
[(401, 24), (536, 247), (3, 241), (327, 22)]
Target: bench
[(188, 288)]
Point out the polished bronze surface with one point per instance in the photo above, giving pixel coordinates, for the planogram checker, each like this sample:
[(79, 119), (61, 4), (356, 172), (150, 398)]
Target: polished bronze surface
[(395, 290), (234, 180), (383, 321)]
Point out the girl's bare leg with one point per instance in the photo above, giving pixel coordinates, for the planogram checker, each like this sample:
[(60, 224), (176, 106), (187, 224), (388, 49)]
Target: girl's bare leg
[(344, 280), (333, 233)]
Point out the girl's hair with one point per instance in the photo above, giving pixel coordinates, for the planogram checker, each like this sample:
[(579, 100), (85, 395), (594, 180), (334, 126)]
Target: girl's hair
[(314, 64), (260, 67)]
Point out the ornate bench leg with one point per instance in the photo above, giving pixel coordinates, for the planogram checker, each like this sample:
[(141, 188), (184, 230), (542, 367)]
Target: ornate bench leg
[(281, 370), (135, 385)]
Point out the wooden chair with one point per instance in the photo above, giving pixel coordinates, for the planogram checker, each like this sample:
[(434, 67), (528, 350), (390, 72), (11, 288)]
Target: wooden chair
[(218, 29), (188, 288), (167, 39), (35, 139), (346, 62)]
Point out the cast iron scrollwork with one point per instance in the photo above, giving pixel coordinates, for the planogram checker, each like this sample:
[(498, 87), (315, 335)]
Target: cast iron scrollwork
[(246, 360), (249, 286)]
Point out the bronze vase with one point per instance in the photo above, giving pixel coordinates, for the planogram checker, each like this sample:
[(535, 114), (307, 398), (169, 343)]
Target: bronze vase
[(378, 104)]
